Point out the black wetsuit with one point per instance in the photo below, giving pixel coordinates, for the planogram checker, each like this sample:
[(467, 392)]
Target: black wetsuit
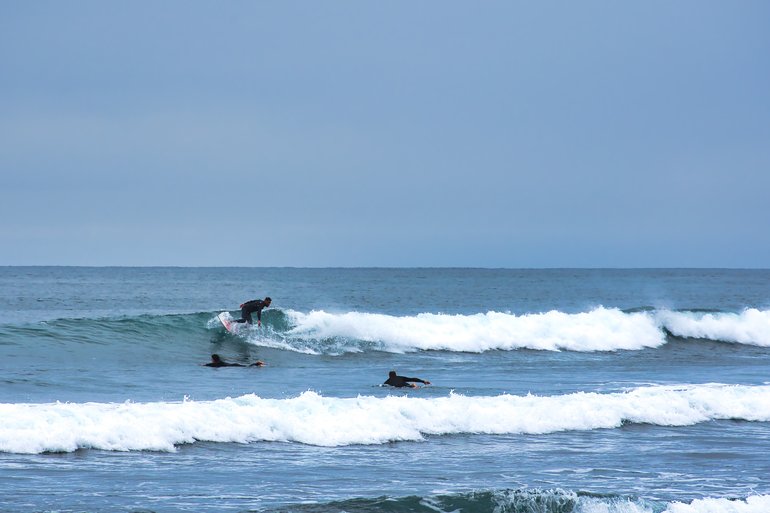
[(216, 361), (223, 364), (402, 381), (249, 307)]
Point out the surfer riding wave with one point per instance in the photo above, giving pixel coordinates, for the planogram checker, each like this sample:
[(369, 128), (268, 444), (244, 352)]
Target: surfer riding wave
[(255, 305)]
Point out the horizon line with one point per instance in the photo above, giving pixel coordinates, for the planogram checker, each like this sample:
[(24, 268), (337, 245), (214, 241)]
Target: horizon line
[(450, 267)]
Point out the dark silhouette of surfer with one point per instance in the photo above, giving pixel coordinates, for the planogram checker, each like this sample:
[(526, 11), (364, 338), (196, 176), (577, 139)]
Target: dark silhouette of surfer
[(216, 361), (395, 380), (255, 305)]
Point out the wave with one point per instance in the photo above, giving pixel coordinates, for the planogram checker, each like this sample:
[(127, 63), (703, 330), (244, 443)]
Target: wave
[(327, 421), (320, 332), (750, 326), (534, 500), (169, 332), (600, 329)]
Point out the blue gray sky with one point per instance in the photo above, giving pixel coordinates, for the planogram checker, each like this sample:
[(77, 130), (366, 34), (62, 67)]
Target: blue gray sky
[(363, 133)]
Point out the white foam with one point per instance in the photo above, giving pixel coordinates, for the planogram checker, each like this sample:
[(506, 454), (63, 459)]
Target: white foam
[(565, 500), (325, 421), (601, 329), (753, 504), (751, 326), (599, 505)]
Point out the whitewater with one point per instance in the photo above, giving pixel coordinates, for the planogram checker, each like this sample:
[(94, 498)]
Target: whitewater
[(600, 329), (327, 421)]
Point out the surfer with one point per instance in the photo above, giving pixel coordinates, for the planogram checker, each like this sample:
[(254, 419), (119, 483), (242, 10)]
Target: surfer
[(255, 305), (395, 380), (216, 361)]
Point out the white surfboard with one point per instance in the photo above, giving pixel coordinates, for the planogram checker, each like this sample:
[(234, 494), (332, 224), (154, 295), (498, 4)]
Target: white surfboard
[(227, 322)]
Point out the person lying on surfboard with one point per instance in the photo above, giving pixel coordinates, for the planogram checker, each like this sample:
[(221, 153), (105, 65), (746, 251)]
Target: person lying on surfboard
[(216, 361), (395, 380), (255, 305)]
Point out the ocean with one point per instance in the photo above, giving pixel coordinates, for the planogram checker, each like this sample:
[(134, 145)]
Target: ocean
[(552, 391)]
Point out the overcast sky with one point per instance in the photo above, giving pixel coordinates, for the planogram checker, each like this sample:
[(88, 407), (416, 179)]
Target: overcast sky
[(398, 133)]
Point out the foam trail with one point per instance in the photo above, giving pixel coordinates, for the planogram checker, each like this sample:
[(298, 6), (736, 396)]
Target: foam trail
[(601, 329), (326, 421), (751, 326)]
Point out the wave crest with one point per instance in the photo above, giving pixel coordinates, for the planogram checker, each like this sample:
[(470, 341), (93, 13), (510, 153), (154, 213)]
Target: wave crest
[(539, 500), (751, 326), (327, 421), (601, 329)]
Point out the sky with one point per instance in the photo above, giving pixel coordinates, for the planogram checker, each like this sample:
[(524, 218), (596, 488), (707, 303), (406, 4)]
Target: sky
[(389, 134)]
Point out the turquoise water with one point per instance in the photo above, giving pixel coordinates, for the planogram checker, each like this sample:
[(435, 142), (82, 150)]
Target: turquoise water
[(552, 390)]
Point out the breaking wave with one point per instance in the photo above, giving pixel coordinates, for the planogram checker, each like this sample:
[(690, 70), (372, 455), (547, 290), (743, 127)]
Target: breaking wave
[(330, 421), (534, 501), (600, 329)]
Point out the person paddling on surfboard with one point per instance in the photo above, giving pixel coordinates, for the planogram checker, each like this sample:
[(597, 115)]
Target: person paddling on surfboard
[(216, 361), (255, 305), (395, 380)]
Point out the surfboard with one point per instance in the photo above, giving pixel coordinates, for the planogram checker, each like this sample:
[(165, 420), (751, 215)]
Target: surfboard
[(226, 321)]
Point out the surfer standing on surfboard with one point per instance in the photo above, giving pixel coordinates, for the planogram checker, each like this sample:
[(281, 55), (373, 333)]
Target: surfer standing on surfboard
[(255, 305)]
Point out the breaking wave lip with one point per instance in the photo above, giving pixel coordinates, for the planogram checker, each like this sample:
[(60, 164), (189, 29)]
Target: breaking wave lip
[(313, 419), (321, 332), (529, 500), (750, 327), (600, 329)]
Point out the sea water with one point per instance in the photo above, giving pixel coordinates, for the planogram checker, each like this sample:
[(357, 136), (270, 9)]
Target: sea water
[(552, 391)]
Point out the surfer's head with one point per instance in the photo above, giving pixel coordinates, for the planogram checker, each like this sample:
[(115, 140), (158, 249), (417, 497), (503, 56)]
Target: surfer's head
[(215, 358), (392, 374), (268, 300)]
